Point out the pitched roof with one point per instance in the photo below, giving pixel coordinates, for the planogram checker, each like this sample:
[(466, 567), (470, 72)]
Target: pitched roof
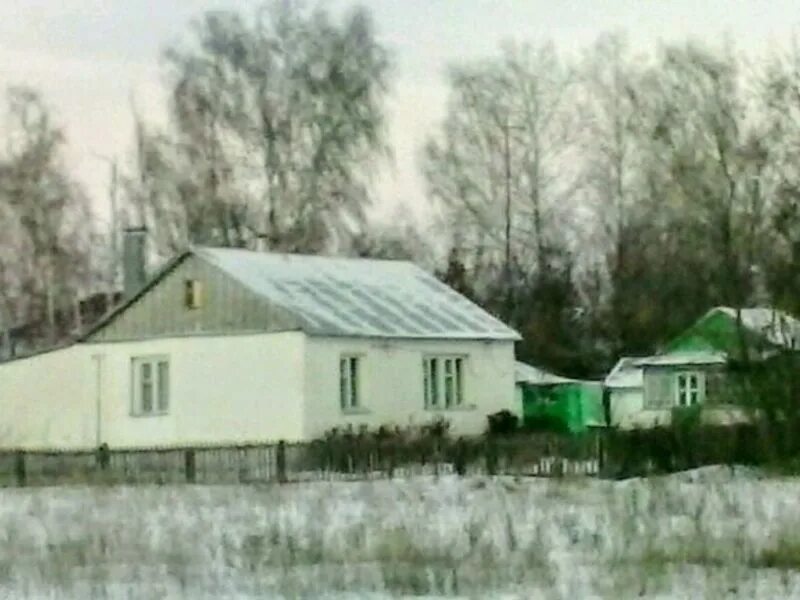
[(625, 374), (358, 297), (348, 296), (525, 373), (700, 357), (775, 326)]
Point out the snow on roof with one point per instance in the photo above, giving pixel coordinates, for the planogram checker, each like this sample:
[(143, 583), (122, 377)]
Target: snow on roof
[(359, 297), (625, 374), (683, 358), (524, 373), (777, 327)]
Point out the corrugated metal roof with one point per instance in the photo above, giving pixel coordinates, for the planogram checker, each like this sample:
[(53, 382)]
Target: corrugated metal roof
[(625, 374), (524, 373), (684, 358), (359, 297), (777, 327)]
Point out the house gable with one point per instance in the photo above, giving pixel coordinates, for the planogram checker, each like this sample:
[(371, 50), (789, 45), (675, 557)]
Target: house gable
[(160, 310), (717, 331)]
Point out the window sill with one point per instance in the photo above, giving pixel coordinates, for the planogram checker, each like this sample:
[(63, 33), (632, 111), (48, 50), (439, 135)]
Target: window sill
[(150, 414), (460, 408), (356, 411)]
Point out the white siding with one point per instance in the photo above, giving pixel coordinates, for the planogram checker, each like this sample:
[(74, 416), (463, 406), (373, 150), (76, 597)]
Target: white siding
[(224, 390), (392, 383), (239, 389), (625, 402), (46, 401)]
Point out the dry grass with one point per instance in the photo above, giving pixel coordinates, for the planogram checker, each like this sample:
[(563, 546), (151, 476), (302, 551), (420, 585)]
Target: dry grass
[(473, 537)]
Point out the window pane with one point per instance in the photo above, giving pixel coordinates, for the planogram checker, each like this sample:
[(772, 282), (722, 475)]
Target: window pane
[(434, 382), (426, 382), (163, 386), (343, 376), (353, 381), (146, 372), (448, 390), (459, 383)]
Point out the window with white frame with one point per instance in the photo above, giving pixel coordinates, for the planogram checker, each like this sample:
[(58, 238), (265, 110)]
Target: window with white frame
[(349, 388), (690, 387), (443, 381), (150, 392)]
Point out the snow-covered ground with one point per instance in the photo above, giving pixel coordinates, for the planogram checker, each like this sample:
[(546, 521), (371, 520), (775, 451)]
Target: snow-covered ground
[(711, 533)]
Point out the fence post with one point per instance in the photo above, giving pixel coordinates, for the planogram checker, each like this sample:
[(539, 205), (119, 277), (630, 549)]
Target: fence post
[(491, 457), (103, 456), (460, 459), (280, 461), (19, 468), (389, 453), (190, 466), (601, 453)]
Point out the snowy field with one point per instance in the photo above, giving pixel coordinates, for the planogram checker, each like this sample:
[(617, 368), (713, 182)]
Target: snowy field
[(712, 533)]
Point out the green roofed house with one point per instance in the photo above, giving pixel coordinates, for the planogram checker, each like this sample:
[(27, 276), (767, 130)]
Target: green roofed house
[(557, 403), (699, 366)]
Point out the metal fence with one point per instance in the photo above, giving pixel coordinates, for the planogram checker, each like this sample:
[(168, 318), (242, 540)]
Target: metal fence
[(346, 458)]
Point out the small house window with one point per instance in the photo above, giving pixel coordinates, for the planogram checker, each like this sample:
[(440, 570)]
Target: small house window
[(689, 388), (443, 381), (150, 392), (193, 293), (349, 388)]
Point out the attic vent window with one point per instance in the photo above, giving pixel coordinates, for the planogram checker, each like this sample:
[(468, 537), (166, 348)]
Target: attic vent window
[(193, 293)]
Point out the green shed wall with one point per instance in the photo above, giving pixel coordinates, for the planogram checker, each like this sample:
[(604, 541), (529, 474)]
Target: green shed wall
[(572, 407)]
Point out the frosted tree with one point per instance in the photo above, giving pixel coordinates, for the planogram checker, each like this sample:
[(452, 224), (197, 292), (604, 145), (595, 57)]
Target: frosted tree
[(45, 221), (276, 125)]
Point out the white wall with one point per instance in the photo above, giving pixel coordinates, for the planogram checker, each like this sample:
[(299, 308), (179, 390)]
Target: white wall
[(392, 383), (224, 389), (625, 402), (46, 401), (239, 389)]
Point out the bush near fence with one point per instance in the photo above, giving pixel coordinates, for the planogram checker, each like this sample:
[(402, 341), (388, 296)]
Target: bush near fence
[(387, 453), (670, 449), (519, 454), (338, 456)]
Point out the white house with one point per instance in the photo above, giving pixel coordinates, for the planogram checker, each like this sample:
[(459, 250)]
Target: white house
[(624, 387), (228, 346)]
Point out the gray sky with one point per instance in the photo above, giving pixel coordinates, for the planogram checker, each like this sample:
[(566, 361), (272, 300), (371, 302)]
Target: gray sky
[(89, 56)]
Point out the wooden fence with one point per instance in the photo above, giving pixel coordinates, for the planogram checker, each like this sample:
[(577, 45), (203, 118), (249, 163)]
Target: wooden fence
[(355, 457)]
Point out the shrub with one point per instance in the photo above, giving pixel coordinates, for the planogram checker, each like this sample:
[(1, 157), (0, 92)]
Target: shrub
[(503, 422)]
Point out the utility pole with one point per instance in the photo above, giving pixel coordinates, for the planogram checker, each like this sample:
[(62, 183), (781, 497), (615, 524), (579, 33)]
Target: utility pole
[(509, 307), (113, 265)]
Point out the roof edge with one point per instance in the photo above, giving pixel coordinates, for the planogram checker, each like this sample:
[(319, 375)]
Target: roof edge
[(170, 265)]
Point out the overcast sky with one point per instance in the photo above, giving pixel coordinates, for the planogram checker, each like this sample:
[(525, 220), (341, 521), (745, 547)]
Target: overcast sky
[(89, 57)]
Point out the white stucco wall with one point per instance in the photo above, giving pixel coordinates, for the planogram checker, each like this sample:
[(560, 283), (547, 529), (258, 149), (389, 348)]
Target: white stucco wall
[(46, 401), (224, 390), (392, 383), (624, 403), (239, 389)]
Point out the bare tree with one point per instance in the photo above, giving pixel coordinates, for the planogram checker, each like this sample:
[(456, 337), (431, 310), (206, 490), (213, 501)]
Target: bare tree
[(45, 219), (498, 165), (276, 125)]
